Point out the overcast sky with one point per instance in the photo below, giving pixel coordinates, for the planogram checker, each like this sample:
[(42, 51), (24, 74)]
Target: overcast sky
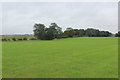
[(19, 18)]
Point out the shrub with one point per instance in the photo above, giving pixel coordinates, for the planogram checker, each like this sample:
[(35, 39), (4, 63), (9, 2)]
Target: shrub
[(33, 39), (14, 39), (8, 39), (20, 39), (4, 39), (24, 38)]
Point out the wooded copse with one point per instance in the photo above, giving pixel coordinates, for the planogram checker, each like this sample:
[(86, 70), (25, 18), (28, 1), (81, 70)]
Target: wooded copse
[(55, 32)]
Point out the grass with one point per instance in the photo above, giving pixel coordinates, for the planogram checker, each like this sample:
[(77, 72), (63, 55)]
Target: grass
[(0, 60), (16, 36), (85, 57)]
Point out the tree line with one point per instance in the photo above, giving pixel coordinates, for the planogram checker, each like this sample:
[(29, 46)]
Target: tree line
[(117, 34), (41, 32), (55, 32)]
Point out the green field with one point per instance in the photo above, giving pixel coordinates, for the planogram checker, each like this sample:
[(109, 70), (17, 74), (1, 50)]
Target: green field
[(16, 36), (0, 60), (85, 57)]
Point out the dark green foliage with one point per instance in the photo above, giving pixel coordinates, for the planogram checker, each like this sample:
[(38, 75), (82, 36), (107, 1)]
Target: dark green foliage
[(104, 34), (14, 39), (20, 39), (69, 32), (81, 32), (117, 34), (54, 31), (8, 39), (4, 39), (91, 32), (39, 31), (57, 31), (96, 33), (32, 39), (43, 33), (24, 38), (76, 32)]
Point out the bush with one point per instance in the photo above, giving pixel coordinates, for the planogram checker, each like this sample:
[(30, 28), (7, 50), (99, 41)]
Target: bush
[(14, 39), (24, 38), (4, 39), (8, 39), (20, 39), (33, 39), (64, 37)]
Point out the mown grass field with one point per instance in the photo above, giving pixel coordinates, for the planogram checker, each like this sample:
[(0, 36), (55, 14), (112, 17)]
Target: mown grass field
[(85, 57), (0, 60)]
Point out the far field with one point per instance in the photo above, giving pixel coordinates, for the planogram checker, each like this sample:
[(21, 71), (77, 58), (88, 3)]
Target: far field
[(84, 57), (16, 36)]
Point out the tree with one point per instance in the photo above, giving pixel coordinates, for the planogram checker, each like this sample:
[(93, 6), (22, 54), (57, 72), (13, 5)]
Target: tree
[(69, 32), (25, 38), (43, 33), (39, 31), (56, 30), (49, 34), (81, 32), (76, 32), (14, 39), (90, 32), (104, 34), (117, 34)]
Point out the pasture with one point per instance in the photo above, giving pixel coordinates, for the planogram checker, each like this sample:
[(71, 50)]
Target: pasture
[(83, 57), (16, 36)]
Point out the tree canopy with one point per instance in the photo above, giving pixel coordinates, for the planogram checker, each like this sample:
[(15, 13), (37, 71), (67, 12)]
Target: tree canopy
[(44, 33), (54, 31), (117, 34)]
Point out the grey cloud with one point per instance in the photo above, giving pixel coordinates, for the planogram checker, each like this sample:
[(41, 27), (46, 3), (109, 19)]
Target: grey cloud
[(20, 17)]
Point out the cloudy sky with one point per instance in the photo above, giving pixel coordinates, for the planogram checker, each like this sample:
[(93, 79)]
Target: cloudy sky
[(19, 18)]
